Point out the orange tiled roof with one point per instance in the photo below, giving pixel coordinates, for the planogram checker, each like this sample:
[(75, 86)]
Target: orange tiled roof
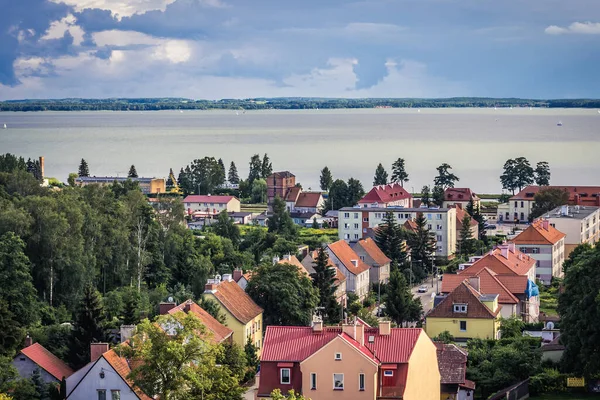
[(582, 195), (346, 255), (488, 284), (516, 284), (339, 277), (539, 232), (220, 332), (463, 294), (459, 194), (308, 199), (293, 260), (237, 302), (512, 262), (47, 361), (121, 367), (460, 215), (374, 251), (292, 194)]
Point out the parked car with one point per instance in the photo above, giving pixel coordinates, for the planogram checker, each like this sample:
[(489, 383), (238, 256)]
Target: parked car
[(490, 227), (422, 289)]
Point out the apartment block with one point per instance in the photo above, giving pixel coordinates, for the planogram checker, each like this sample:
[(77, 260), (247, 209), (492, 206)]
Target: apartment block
[(580, 224)]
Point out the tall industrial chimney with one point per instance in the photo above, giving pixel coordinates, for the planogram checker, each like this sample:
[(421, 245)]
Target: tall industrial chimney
[(42, 167)]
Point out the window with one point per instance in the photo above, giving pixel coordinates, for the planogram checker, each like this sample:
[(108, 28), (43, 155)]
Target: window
[(439, 216), (346, 215), (356, 236), (535, 250), (516, 204), (115, 394), (338, 381), (355, 226), (346, 236), (355, 215), (522, 204), (102, 394), (284, 376), (361, 382), (462, 308), (365, 219), (313, 381), (429, 226), (388, 373), (463, 326), (346, 226), (439, 227), (338, 356), (439, 238), (428, 216)]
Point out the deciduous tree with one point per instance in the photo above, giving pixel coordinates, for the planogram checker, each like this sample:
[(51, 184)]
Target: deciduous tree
[(548, 199), (425, 196), (256, 167), (266, 167), (280, 221), (355, 191), (338, 195), (225, 227), (542, 173)]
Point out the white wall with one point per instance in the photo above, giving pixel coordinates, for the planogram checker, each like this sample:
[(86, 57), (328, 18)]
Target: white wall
[(87, 388)]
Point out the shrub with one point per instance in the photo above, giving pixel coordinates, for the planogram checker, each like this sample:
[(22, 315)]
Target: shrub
[(548, 381)]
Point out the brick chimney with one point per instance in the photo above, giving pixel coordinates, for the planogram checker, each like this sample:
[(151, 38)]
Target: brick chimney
[(545, 224), (355, 331), (474, 281), (96, 350), (211, 285), (237, 274), (385, 328), (165, 307), (42, 166), (28, 341)]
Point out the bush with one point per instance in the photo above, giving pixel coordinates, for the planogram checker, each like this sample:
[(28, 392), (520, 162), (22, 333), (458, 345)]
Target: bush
[(548, 381), (368, 302)]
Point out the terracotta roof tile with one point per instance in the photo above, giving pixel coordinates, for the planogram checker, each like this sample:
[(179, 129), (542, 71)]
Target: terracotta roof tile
[(47, 361), (516, 284), (293, 260), (121, 367), (346, 255), (539, 232), (460, 215), (503, 260), (385, 194), (410, 225), (308, 264), (463, 294), (488, 284), (585, 194), (292, 194), (308, 199), (282, 174), (452, 363), (371, 248), (220, 332), (459, 194), (237, 302), (194, 198)]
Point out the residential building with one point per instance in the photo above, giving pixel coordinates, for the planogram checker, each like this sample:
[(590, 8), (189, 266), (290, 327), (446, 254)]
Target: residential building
[(351, 266), (241, 278), (278, 184), (105, 377), (241, 218), (207, 205), (390, 195), (460, 215), (521, 204), (242, 315), (460, 197), (340, 279), (465, 313), (147, 185), (354, 224), (379, 263), (293, 260), (352, 361), (218, 332), (580, 224), (297, 200), (546, 245), (262, 219), (304, 218), (452, 363), (33, 357)]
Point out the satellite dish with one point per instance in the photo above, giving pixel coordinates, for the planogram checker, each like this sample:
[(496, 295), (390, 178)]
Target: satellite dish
[(550, 325), (170, 299)]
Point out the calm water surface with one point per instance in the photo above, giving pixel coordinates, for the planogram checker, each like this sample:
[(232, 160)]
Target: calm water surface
[(476, 142)]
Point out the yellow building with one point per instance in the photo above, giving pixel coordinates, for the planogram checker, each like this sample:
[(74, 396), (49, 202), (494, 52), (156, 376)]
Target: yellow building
[(242, 315), (147, 185), (466, 314)]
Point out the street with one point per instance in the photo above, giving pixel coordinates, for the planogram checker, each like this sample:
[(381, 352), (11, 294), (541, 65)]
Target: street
[(426, 298)]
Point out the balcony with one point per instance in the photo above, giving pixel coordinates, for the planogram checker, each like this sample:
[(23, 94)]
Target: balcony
[(390, 393)]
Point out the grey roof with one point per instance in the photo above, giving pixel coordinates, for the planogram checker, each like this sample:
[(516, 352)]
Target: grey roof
[(397, 209), (308, 215), (332, 213), (239, 214), (572, 212), (308, 264), (488, 297)]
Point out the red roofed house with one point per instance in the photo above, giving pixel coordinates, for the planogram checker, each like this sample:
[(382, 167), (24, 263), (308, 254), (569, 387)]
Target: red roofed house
[(460, 215), (208, 205), (105, 377), (298, 201), (354, 269), (546, 245), (35, 356), (390, 195), (460, 197), (372, 255), (351, 362), (340, 279), (452, 362), (278, 184)]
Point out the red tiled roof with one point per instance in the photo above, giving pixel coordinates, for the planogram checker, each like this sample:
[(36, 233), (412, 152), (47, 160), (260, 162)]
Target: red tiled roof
[(516, 284), (371, 248), (395, 347), (308, 199), (47, 361), (459, 194), (292, 194), (463, 294), (460, 215), (194, 198), (363, 349), (293, 260), (488, 284), (346, 255), (452, 363), (237, 302), (539, 232), (385, 194), (512, 262), (220, 332), (282, 174), (411, 225), (468, 384), (121, 367), (584, 193)]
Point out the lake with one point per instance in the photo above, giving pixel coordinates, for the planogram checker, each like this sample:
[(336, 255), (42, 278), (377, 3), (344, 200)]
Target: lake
[(475, 142)]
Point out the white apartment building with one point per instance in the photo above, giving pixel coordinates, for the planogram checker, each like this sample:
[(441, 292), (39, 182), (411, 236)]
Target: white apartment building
[(355, 223), (580, 224)]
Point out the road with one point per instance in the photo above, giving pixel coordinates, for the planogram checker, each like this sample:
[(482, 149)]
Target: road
[(426, 298)]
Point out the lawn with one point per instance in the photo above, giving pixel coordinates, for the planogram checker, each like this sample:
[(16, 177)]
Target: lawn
[(549, 301)]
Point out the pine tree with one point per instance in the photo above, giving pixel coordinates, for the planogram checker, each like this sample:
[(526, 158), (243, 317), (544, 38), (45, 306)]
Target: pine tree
[(131, 309), (326, 179), (251, 359), (132, 172), (88, 327), (280, 221), (465, 243), (222, 171), (437, 196), (83, 169), (170, 185), (267, 167), (390, 240), (399, 172), (41, 388), (324, 281), (445, 179), (400, 305), (233, 176), (255, 171), (425, 196), (381, 176), (422, 245), (470, 209), (542, 174)]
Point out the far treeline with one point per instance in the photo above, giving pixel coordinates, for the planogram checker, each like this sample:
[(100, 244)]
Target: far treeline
[(284, 103)]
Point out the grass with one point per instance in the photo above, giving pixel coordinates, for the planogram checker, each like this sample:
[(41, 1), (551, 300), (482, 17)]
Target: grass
[(255, 208), (549, 301)]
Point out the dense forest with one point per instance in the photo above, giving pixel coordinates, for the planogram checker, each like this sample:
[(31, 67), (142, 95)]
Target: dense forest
[(154, 104)]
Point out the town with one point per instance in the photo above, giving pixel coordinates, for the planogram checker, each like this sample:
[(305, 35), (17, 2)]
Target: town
[(204, 285)]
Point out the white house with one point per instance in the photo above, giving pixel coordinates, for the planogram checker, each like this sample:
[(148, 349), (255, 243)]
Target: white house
[(207, 205), (580, 224), (354, 269)]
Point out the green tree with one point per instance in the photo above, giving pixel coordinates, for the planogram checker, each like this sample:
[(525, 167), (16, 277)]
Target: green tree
[(338, 196), (323, 280), (399, 172), (574, 256), (326, 179), (542, 173), (84, 170), (579, 310), (524, 172), (233, 176), (509, 176), (179, 364), (511, 327), (292, 395), (132, 172), (280, 221), (131, 308), (548, 199), (381, 176), (11, 332), (222, 171), (355, 192), (445, 178), (11, 163), (286, 296), (88, 327), (71, 179), (213, 308), (234, 357), (465, 238), (437, 196), (256, 167), (422, 244), (390, 238), (41, 388), (426, 196), (266, 167), (400, 305), (225, 227), (259, 191), (252, 361), (444, 337)]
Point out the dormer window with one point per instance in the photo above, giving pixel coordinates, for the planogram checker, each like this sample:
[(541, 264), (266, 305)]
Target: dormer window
[(460, 308)]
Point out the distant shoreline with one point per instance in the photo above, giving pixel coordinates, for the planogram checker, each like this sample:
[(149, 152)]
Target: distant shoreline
[(158, 104)]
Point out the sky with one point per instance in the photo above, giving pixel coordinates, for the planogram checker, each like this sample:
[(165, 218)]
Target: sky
[(213, 49)]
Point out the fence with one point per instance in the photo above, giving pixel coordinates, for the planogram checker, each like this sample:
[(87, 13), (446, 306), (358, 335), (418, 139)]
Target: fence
[(515, 392)]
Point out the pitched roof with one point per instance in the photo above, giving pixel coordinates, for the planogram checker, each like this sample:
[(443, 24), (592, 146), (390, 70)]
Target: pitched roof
[(293, 260), (463, 294), (504, 259), (220, 332), (308, 199), (385, 194), (371, 248), (452, 363), (460, 215), (488, 284), (459, 194), (121, 367), (194, 198), (585, 194), (296, 343), (292, 194), (47, 361), (346, 255), (282, 174), (516, 284), (308, 264), (410, 225), (539, 232), (237, 302)]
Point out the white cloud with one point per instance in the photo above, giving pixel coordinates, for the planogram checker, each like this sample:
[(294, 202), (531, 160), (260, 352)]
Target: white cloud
[(58, 29), (370, 28), (123, 38), (585, 28), (174, 51)]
